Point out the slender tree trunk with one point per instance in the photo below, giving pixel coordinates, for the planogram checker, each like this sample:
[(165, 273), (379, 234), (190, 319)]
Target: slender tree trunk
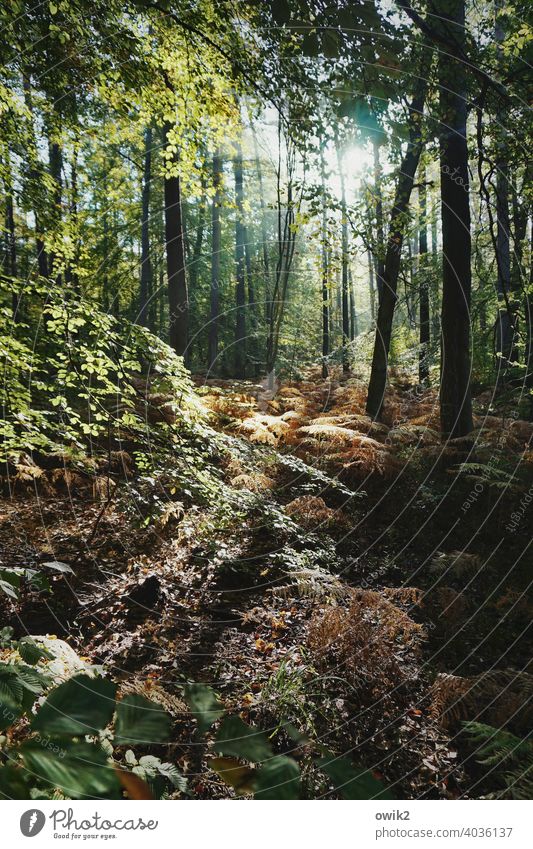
[(325, 270), (354, 330), (146, 259), (344, 266), (455, 400), (240, 272), (387, 302), (264, 237), (55, 159), (194, 265), (371, 287), (252, 305), (423, 286), (380, 247), (528, 309), (178, 298), (506, 322), (212, 352), (36, 182), (10, 243)]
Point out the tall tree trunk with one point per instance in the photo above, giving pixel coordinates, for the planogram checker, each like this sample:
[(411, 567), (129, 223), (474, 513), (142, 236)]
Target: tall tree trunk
[(55, 160), (325, 270), (287, 234), (194, 264), (455, 400), (35, 180), (10, 243), (371, 287), (240, 286), (354, 329), (423, 286), (146, 259), (178, 298), (380, 238), (387, 302), (264, 237), (252, 305), (505, 328), (216, 233), (528, 309), (344, 265)]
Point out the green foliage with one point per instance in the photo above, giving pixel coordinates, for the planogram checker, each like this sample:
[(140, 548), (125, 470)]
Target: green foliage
[(80, 380), (70, 745), (508, 760), (268, 775)]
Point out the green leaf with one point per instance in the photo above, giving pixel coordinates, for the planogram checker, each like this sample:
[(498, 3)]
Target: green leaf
[(13, 783), (140, 721), (351, 782), (79, 770), (240, 740), (31, 652), (10, 710), (278, 778), (310, 44), (330, 44), (81, 705), (204, 704)]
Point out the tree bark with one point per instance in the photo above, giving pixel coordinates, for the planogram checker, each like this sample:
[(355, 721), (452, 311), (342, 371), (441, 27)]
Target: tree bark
[(178, 298), (380, 246), (325, 270), (240, 285), (423, 288), (146, 259), (216, 233), (36, 182), (455, 400), (344, 266), (264, 238), (10, 243), (387, 301)]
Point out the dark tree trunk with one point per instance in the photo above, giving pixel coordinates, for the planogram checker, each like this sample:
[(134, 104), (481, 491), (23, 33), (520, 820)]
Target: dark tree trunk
[(240, 286), (264, 238), (178, 298), (371, 287), (212, 352), (325, 270), (380, 238), (10, 243), (528, 309), (354, 329), (146, 259), (505, 329), (194, 265), (344, 267), (36, 182), (252, 305), (423, 287), (455, 401), (387, 301), (55, 160)]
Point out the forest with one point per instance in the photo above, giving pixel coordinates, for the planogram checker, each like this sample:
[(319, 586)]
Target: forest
[(266, 453)]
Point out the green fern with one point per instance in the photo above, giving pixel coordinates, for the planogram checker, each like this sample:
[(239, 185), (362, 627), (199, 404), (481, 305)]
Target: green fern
[(513, 757)]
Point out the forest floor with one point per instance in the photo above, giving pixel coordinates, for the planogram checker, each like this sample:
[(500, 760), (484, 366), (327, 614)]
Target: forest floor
[(361, 582)]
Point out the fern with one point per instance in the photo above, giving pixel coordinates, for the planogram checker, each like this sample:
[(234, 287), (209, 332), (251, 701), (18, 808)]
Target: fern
[(512, 755)]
